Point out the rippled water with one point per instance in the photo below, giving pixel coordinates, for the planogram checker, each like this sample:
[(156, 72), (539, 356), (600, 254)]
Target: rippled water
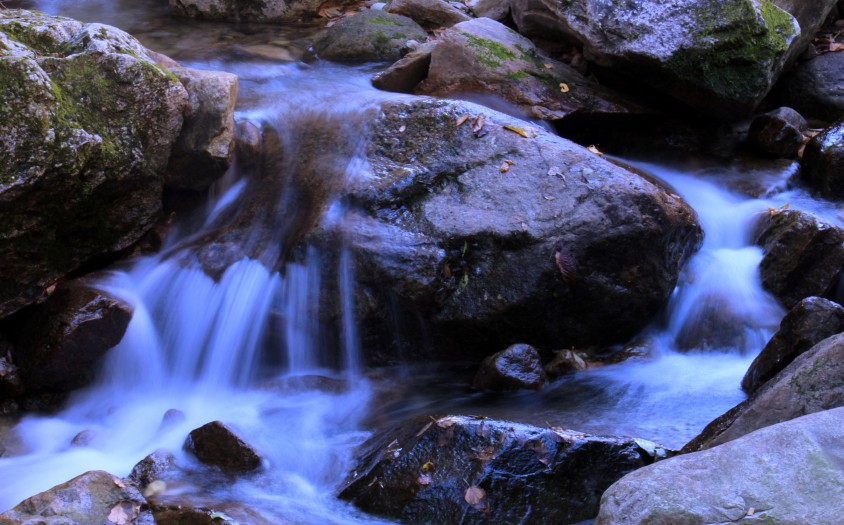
[(227, 350)]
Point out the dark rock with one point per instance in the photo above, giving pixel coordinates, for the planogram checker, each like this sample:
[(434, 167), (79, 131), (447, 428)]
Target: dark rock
[(466, 470), (216, 444), (368, 36), (88, 121), (430, 14), (62, 344), (803, 255), (95, 497), (514, 368), (813, 87), (84, 438), (157, 466), (11, 384), (814, 381), (485, 56), (785, 474), (823, 162), (723, 67), (247, 138), (406, 74), (812, 320), (182, 510), (778, 133), (564, 362), (250, 10), (204, 149)]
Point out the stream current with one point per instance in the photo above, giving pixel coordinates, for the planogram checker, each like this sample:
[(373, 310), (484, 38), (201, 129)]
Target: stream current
[(199, 346)]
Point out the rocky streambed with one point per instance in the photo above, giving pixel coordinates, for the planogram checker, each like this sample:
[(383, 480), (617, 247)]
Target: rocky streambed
[(424, 261)]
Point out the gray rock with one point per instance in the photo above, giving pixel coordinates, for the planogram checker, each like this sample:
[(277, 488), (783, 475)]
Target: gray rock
[(88, 121), (368, 36), (247, 143), (516, 367), (157, 466), (218, 445), (822, 165), (720, 58), (63, 343), (94, 497), (249, 10), (485, 56), (803, 255), (205, 146), (812, 320), (494, 9), (778, 133), (785, 474), (430, 14), (459, 469), (813, 87), (404, 75)]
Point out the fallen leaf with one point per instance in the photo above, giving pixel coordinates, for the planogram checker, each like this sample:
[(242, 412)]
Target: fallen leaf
[(446, 422), (154, 488), (402, 128), (124, 513), (521, 131), (474, 495), (462, 120), (119, 483), (594, 149), (464, 281), (564, 88), (835, 47), (485, 453), (447, 271), (505, 166), (538, 446), (548, 66), (478, 125), (428, 466)]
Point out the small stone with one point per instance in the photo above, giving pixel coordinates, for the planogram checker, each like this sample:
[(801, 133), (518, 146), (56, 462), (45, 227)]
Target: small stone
[(216, 444), (517, 367)]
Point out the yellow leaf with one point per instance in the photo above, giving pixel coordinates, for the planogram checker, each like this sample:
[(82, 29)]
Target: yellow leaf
[(521, 131), (462, 120), (594, 149), (428, 466), (564, 88), (505, 166), (474, 495)]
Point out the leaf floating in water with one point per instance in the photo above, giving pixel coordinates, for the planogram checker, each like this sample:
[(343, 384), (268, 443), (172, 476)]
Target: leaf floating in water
[(474, 495), (124, 513), (521, 131), (462, 120), (564, 88), (505, 166)]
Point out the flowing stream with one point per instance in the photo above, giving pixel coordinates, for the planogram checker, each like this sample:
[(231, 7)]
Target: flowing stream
[(248, 348)]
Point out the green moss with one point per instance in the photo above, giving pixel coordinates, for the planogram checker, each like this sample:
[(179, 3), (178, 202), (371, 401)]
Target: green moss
[(516, 76), (489, 52), (381, 21)]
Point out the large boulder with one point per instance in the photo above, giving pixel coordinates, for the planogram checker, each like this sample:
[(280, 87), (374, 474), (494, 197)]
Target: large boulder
[(489, 232), (88, 121), (785, 474), (812, 87), (368, 36), (813, 382), (822, 166), (485, 56), (803, 256), (94, 497), (251, 10), (430, 14), (778, 133), (62, 344), (205, 147), (811, 321), (459, 469), (720, 57)]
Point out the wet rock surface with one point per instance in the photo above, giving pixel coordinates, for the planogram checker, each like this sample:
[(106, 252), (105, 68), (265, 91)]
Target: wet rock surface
[(219, 445), (66, 338), (474, 470), (812, 87), (157, 466), (812, 320), (778, 133), (249, 10), (822, 166), (514, 368), (786, 473), (368, 36), (404, 75), (88, 121), (813, 382), (93, 497), (429, 14)]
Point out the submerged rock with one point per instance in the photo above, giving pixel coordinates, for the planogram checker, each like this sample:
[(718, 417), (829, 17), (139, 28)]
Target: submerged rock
[(94, 497), (803, 256), (814, 381), (63, 343), (459, 469), (218, 445), (514, 368), (812, 320), (720, 58), (368, 36), (156, 466), (205, 146), (823, 162), (785, 474), (88, 121)]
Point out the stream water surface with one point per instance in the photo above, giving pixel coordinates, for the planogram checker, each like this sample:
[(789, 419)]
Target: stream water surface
[(197, 349)]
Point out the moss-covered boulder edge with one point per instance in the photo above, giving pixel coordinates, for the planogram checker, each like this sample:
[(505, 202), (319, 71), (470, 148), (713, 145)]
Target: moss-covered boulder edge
[(88, 121)]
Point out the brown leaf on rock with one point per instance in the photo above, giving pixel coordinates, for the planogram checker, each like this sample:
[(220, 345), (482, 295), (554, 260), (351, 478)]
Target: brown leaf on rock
[(505, 166), (474, 495), (478, 125), (462, 120), (124, 513), (594, 149), (538, 446), (520, 131)]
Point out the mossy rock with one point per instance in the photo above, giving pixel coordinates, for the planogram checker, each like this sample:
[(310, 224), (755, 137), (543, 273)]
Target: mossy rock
[(368, 36), (88, 121)]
